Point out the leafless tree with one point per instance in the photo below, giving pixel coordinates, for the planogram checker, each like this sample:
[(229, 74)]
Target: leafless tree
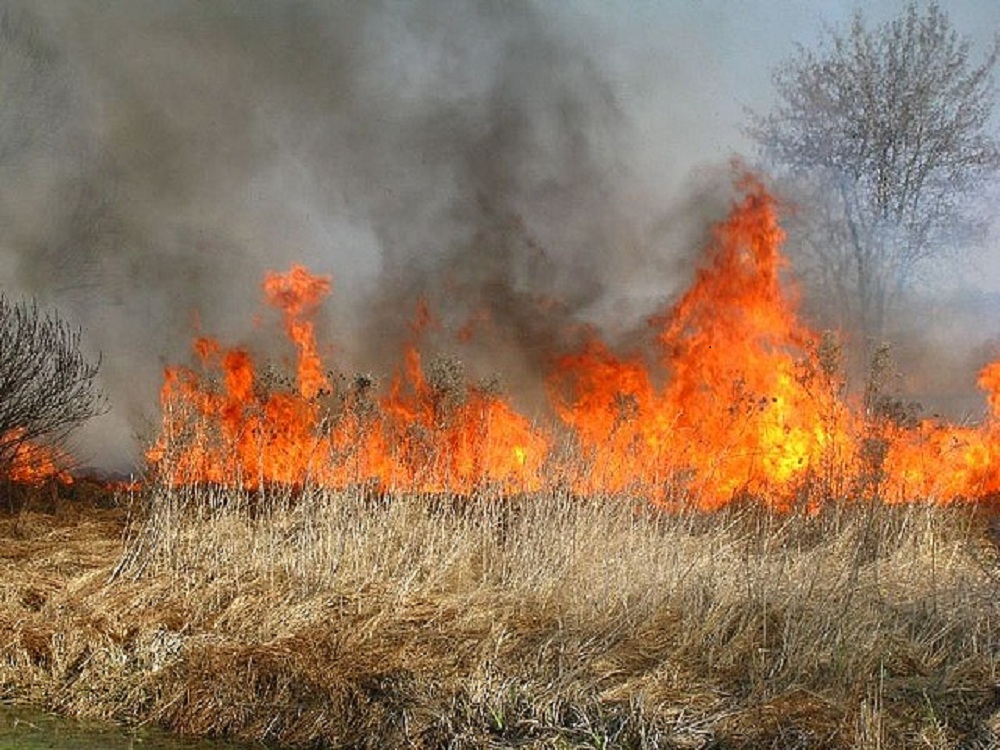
[(47, 385), (882, 134)]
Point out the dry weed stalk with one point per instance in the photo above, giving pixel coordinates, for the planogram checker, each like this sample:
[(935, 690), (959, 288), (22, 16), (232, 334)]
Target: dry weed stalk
[(313, 618)]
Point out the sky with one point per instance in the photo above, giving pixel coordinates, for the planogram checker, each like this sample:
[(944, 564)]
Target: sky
[(158, 156)]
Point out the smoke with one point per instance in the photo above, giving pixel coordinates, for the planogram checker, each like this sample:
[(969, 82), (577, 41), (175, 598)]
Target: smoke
[(157, 157), (527, 169)]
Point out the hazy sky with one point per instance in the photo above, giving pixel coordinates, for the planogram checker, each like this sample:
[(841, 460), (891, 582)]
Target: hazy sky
[(686, 71), (159, 155)]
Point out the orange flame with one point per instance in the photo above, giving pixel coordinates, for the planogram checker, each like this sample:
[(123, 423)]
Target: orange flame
[(736, 400), (244, 431), (741, 410), (35, 464), (457, 438), (298, 293)]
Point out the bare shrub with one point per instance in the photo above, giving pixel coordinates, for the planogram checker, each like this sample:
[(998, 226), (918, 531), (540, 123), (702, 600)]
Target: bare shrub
[(47, 385)]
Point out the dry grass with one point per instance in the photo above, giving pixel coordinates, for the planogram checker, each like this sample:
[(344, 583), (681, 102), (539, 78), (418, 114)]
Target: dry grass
[(340, 619)]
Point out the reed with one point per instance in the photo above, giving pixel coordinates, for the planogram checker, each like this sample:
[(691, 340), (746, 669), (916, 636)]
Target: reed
[(311, 618)]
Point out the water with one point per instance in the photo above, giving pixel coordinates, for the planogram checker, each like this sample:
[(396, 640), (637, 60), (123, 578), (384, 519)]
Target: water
[(27, 729)]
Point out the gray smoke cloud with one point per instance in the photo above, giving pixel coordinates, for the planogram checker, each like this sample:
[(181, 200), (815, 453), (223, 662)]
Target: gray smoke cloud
[(526, 168), (158, 157)]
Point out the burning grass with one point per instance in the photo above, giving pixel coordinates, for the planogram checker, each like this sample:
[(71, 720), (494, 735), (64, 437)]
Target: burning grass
[(316, 563), (318, 618), (736, 396)]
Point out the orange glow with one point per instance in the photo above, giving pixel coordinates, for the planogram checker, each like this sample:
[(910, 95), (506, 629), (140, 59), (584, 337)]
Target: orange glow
[(243, 431), (37, 464), (743, 409), (734, 400), (297, 293)]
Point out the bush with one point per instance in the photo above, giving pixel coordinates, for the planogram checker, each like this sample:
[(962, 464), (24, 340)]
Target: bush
[(47, 385)]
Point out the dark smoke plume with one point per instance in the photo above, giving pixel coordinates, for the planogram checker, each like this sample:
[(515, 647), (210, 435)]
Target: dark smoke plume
[(157, 157)]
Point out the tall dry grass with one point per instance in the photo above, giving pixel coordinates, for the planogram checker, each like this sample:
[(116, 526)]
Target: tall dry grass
[(317, 619)]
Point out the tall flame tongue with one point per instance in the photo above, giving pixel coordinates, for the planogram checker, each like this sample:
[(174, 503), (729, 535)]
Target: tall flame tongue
[(243, 430), (740, 400), (743, 408), (297, 293)]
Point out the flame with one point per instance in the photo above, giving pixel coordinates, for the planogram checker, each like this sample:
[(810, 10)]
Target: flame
[(297, 293), (948, 462), (743, 408), (418, 437), (737, 398), (451, 437), (33, 463)]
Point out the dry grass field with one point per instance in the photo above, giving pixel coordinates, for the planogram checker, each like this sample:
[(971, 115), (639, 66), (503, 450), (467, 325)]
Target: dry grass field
[(326, 619)]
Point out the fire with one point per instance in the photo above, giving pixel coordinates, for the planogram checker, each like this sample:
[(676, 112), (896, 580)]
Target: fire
[(947, 462), (33, 463), (743, 410), (451, 437), (419, 437), (297, 293), (738, 398)]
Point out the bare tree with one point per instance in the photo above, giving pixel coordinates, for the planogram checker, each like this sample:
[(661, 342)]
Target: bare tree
[(882, 132), (47, 386)]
